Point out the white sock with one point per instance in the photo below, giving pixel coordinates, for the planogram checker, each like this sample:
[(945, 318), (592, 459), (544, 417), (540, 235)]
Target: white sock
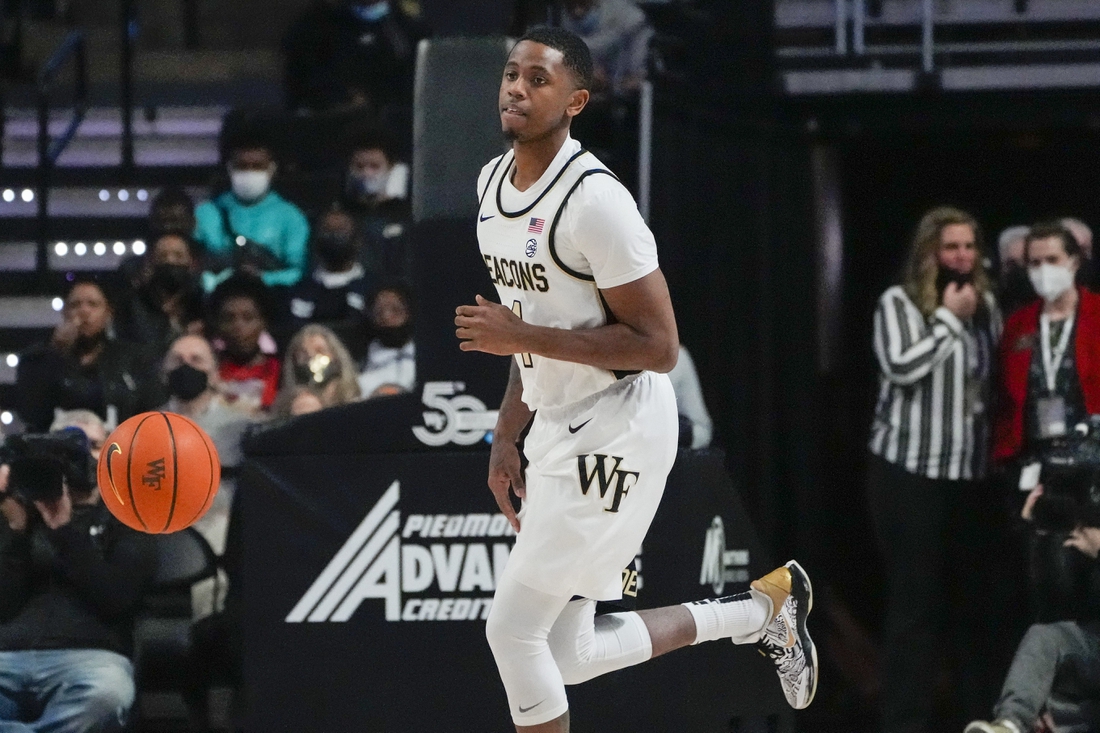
[(742, 617)]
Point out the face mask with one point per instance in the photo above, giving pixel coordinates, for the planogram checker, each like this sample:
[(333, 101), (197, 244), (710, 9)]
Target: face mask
[(371, 13), (393, 337), (368, 185), (319, 370), (333, 248), (587, 23), (947, 275), (170, 278), (1050, 281), (249, 185), (186, 382)]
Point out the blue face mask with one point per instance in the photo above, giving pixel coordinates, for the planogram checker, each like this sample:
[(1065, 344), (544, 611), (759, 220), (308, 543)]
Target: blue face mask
[(373, 12)]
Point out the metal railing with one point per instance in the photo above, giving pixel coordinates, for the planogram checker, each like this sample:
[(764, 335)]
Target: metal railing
[(850, 22), (73, 47)]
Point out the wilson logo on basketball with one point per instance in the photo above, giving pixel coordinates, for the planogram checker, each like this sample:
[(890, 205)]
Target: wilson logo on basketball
[(154, 474)]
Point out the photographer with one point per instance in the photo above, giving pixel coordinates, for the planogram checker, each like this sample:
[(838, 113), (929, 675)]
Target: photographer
[(1055, 676), (1050, 382), (71, 577)]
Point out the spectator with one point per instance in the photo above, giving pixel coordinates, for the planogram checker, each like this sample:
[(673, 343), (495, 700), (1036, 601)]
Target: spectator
[(172, 211), (251, 227), (1054, 680), (695, 423), (169, 303), (240, 309), (934, 338), (190, 372), (84, 367), (316, 364), (618, 35), (1045, 391), (390, 367), (1015, 287), (351, 53), (336, 294), (71, 579), (90, 423), (376, 194)]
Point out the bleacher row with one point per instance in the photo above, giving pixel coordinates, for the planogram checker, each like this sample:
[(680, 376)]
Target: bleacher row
[(94, 220)]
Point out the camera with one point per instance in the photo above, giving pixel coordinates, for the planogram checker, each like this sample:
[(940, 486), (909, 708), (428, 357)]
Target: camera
[(1071, 480), (42, 463)]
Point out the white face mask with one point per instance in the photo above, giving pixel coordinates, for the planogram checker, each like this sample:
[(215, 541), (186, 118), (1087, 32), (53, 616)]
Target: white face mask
[(249, 185), (1050, 281)]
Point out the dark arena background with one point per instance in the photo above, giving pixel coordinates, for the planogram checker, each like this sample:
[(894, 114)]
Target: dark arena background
[(782, 152)]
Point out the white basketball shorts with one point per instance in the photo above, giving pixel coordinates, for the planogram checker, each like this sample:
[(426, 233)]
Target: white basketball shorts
[(596, 476)]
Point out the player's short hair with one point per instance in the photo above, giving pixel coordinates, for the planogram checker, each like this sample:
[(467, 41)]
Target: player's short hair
[(574, 51)]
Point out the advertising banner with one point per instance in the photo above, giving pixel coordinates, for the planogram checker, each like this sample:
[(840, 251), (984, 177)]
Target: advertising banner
[(367, 579)]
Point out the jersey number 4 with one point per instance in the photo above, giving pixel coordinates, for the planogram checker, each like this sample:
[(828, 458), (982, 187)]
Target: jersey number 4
[(517, 308)]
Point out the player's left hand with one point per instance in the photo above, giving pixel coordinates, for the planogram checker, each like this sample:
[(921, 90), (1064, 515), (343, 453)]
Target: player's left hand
[(489, 327)]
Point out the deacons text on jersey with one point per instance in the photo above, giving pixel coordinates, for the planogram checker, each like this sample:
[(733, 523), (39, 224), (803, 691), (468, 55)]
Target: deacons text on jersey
[(550, 249)]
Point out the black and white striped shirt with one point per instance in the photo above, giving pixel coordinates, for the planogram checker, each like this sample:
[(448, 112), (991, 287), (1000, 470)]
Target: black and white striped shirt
[(931, 417)]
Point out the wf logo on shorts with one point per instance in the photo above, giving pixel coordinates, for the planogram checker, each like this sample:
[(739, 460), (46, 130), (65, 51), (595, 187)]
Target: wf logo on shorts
[(608, 475), (449, 579)]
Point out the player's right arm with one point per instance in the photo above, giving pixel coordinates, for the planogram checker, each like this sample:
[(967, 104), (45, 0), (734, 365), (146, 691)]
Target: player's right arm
[(504, 465)]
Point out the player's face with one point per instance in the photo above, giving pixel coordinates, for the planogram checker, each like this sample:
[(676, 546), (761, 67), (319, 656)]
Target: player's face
[(538, 94)]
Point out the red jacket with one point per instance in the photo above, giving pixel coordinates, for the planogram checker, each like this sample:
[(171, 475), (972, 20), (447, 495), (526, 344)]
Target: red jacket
[(1020, 337)]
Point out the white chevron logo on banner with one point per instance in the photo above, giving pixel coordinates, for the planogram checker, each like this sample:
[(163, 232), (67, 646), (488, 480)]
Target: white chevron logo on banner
[(322, 602)]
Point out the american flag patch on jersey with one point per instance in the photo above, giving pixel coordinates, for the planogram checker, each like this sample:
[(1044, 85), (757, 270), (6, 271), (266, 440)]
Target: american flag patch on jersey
[(535, 226)]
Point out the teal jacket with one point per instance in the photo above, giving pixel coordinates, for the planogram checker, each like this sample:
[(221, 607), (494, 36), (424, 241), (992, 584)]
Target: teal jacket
[(273, 222)]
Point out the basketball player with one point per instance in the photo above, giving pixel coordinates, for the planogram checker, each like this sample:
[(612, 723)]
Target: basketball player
[(587, 316)]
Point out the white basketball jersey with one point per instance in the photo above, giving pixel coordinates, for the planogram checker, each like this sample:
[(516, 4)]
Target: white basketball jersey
[(551, 248)]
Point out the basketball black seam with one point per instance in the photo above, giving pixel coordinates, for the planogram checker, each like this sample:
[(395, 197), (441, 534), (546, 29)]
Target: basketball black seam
[(524, 212), (130, 472), (210, 458), (175, 473)]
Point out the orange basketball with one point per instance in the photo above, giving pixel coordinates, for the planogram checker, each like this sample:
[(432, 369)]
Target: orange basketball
[(158, 472)]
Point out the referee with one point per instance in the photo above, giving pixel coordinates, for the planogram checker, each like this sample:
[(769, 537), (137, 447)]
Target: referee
[(935, 339)]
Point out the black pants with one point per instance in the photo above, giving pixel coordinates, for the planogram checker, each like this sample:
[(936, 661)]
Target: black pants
[(938, 540)]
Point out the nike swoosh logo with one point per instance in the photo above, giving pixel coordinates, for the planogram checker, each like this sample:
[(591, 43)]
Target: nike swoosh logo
[(486, 218), (111, 451), (575, 429), (524, 710)]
